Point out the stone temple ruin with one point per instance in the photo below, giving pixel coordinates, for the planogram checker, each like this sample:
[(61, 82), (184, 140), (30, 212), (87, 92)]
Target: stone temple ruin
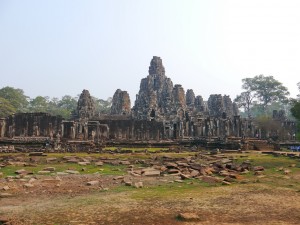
[(162, 112)]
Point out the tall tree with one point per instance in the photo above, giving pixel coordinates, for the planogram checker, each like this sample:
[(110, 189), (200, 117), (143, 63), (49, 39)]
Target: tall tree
[(245, 100), (265, 90), (6, 108), (16, 98), (66, 107), (102, 106), (295, 109)]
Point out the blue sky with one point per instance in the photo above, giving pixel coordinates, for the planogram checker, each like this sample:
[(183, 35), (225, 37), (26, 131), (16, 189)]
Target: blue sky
[(58, 47)]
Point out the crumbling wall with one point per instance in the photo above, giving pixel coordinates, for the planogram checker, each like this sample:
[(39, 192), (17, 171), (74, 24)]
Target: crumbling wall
[(32, 124)]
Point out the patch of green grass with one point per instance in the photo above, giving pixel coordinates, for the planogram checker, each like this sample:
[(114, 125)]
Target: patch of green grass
[(106, 169), (171, 190), (151, 149), (268, 161)]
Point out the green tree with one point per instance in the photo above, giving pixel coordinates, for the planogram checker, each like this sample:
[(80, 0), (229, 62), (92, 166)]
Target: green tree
[(102, 106), (244, 100), (6, 108), (265, 90), (295, 110), (66, 107), (295, 103), (15, 97), (39, 104), (68, 102)]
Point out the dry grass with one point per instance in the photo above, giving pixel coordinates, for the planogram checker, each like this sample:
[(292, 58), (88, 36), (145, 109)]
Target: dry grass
[(238, 204), (270, 199)]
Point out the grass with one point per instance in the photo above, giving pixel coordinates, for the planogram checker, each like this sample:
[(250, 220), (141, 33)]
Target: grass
[(153, 150), (266, 160), (120, 204), (171, 190), (273, 175), (271, 164), (106, 169)]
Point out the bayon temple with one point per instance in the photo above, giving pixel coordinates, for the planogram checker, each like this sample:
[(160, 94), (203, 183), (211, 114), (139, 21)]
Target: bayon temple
[(161, 112)]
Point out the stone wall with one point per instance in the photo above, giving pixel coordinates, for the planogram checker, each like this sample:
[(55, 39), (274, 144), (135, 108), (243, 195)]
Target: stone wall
[(2, 127), (134, 130), (32, 124)]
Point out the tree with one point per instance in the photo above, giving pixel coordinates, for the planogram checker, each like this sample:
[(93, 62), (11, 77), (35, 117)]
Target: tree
[(15, 97), (39, 104), (66, 107), (245, 100), (102, 106), (295, 109), (68, 102), (265, 90), (6, 108)]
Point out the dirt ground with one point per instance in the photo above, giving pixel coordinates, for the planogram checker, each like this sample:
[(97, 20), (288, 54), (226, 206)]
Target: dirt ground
[(222, 205), (67, 199)]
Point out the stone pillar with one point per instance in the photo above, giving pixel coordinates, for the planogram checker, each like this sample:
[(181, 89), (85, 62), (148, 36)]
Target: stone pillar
[(2, 128), (86, 132), (62, 129), (218, 127), (72, 133)]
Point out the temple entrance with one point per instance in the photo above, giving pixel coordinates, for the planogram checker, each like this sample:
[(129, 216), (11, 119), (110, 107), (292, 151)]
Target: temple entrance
[(152, 115), (175, 131)]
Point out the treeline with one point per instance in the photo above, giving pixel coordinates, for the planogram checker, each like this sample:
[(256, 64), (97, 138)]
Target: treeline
[(13, 100)]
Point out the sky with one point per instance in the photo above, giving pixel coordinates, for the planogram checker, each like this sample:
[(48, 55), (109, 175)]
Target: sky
[(60, 47)]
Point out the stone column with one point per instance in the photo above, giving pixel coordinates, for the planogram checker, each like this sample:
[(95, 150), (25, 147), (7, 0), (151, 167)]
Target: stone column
[(62, 129), (86, 132)]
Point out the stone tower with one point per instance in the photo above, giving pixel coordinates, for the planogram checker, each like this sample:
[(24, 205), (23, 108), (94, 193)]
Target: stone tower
[(155, 97), (221, 106), (199, 104), (190, 98), (120, 103), (179, 97), (85, 105)]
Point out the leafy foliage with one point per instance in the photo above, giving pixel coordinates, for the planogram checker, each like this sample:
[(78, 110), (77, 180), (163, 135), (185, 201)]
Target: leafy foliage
[(39, 104), (6, 108), (264, 91), (15, 97), (102, 106), (295, 110), (245, 100)]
